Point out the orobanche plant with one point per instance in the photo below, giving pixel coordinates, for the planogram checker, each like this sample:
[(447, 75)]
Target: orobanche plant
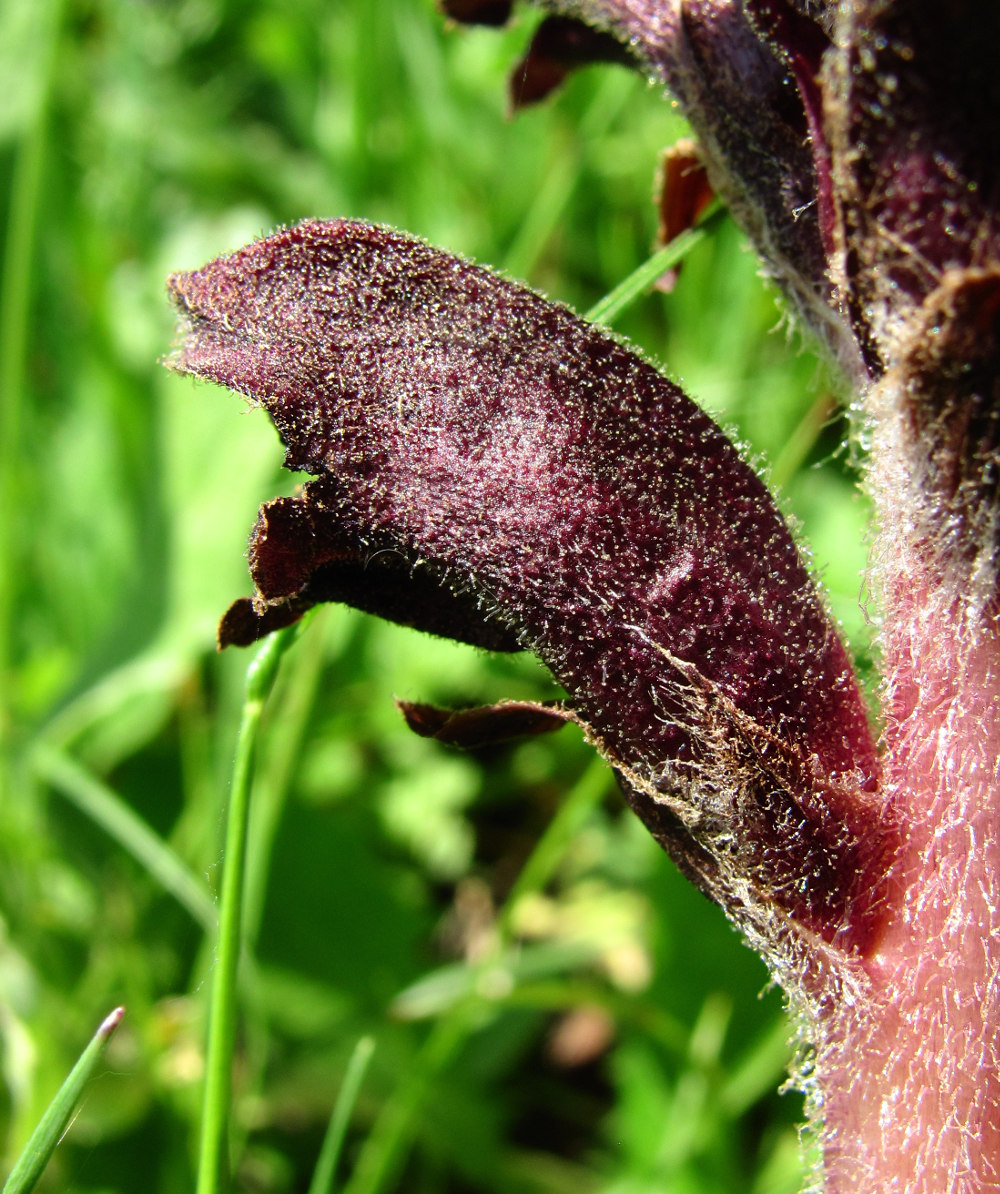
[(491, 468)]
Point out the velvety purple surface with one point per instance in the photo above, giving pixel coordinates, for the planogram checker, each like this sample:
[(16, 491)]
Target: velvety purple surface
[(493, 468)]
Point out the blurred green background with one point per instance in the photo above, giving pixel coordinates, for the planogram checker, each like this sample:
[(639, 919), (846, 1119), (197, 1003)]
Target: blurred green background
[(609, 1032)]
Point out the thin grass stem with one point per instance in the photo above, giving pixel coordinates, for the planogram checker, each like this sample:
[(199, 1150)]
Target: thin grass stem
[(759, 1071), (213, 1160), (106, 808), (384, 1152), (299, 686), (558, 185), (609, 308), (583, 797), (800, 443), (325, 1173)]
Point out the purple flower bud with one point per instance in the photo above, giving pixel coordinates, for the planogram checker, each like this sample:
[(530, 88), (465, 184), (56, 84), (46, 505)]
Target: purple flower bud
[(491, 468), (854, 143), (912, 115)]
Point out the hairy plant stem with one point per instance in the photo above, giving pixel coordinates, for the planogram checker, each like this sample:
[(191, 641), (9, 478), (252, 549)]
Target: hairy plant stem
[(909, 1074)]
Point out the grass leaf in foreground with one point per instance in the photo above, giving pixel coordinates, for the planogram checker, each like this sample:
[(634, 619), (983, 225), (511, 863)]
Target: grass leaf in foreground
[(31, 1163)]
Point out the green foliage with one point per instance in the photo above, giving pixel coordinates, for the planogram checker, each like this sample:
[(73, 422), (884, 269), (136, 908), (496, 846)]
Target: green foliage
[(601, 1031)]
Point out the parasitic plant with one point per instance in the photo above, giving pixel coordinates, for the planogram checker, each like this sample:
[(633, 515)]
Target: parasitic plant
[(491, 468)]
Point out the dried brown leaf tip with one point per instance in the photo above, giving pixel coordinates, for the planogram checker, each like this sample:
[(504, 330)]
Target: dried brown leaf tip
[(684, 196), (560, 46), (478, 12), (489, 725), (491, 468)]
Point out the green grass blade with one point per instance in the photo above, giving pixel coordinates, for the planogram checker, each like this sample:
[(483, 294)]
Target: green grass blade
[(161, 671), (609, 308), (16, 282), (299, 687), (385, 1150), (213, 1160), (333, 1142), (106, 808), (585, 795), (760, 1070), (800, 443), (31, 1163)]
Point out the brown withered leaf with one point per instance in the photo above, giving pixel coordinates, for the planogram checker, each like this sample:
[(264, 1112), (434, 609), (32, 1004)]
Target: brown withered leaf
[(478, 12), (559, 46), (684, 195), (487, 725)]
